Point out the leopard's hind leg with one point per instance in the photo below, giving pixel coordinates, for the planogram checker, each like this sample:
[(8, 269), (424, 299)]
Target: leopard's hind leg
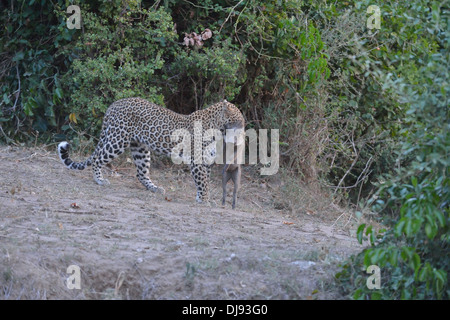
[(105, 152), (141, 156)]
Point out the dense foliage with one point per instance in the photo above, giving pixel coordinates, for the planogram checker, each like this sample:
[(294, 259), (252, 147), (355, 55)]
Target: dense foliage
[(30, 69), (413, 251), (362, 111)]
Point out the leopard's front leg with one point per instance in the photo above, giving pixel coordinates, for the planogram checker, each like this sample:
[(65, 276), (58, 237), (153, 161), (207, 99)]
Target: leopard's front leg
[(201, 174)]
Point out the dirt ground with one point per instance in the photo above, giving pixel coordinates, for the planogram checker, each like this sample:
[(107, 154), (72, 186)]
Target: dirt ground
[(130, 243)]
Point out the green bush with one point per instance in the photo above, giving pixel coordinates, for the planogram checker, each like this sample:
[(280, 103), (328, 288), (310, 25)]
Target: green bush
[(208, 75), (30, 71), (413, 250), (116, 60), (285, 72)]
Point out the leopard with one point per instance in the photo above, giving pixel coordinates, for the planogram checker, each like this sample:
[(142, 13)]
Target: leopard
[(145, 127)]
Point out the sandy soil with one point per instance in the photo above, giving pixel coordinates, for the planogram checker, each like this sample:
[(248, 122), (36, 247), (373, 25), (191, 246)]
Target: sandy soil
[(130, 243)]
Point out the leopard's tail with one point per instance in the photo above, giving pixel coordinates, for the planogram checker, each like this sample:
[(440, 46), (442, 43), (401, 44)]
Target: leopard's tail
[(63, 152)]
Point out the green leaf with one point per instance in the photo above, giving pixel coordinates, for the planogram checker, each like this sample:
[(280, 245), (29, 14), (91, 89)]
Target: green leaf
[(369, 230), (393, 259), (6, 99), (372, 238), (376, 296), (406, 253), (28, 109), (398, 230), (358, 295), (367, 258), (59, 93), (430, 231), (423, 273), (18, 56), (416, 262), (440, 279), (440, 217), (359, 233), (408, 227), (29, 106)]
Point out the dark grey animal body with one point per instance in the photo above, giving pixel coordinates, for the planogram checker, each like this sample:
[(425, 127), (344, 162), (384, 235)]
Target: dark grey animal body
[(231, 171)]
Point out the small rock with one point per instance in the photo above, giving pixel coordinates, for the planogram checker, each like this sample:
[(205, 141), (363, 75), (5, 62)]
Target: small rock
[(231, 257)]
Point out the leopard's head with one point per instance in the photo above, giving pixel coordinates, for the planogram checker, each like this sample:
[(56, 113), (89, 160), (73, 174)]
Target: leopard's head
[(232, 117), (233, 127)]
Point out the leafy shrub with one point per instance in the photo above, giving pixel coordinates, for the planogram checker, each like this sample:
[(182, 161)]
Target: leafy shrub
[(285, 70), (30, 72), (116, 60), (208, 75), (413, 251)]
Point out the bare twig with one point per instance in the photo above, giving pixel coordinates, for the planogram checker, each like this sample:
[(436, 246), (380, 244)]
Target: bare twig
[(351, 166), (361, 176), (17, 92), (229, 15)]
